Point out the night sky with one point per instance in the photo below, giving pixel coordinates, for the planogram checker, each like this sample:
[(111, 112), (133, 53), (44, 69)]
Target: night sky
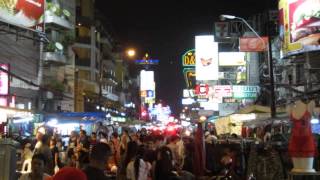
[(166, 29)]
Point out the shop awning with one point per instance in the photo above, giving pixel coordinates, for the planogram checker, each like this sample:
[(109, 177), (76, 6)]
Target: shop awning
[(259, 109), (83, 117)]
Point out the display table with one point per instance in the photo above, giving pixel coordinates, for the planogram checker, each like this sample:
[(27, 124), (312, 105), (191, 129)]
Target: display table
[(306, 175)]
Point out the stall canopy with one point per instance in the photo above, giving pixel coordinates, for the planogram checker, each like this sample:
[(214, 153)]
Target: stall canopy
[(260, 109), (83, 117)]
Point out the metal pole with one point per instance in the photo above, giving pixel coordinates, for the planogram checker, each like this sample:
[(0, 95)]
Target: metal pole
[(270, 64), (271, 76)]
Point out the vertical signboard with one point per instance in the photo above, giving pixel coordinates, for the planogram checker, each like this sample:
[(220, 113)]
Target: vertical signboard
[(25, 13), (4, 80), (206, 58)]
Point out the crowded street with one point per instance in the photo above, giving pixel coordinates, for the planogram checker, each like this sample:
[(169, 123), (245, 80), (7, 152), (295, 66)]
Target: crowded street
[(159, 90)]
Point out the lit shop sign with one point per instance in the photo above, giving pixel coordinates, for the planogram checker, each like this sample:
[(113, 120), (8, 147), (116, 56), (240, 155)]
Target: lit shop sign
[(202, 89), (188, 101), (206, 58), (147, 61), (232, 59), (245, 91), (4, 80), (189, 59), (147, 94), (150, 94), (188, 93), (118, 119), (253, 44), (299, 23), (147, 80), (24, 13), (222, 91), (190, 77)]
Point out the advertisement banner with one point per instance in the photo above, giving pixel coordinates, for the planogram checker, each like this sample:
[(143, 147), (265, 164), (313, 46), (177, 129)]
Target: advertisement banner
[(4, 80), (206, 58), (147, 80), (299, 26), (232, 59), (253, 44), (25, 13)]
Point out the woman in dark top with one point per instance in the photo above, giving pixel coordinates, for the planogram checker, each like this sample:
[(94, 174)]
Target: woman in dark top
[(163, 168), (54, 152)]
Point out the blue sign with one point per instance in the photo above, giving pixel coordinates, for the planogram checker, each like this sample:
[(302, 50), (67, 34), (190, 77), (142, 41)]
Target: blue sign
[(147, 61), (150, 93)]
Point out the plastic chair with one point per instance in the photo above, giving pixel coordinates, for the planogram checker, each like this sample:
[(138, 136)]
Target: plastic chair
[(26, 166)]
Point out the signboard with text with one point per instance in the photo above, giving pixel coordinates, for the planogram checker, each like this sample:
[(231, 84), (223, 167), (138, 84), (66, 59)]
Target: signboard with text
[(189, 59), (245, 91)]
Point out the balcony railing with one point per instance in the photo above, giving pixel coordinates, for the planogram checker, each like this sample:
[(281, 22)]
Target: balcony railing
[(54, 57)]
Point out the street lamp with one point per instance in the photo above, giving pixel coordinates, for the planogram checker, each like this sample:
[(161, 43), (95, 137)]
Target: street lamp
[(270, 61), (131, 52)]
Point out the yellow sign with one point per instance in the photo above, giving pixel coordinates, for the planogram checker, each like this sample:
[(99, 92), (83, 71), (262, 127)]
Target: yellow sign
[(189, 58)]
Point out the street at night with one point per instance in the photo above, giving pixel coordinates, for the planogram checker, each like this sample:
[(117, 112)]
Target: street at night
[(159, 90)]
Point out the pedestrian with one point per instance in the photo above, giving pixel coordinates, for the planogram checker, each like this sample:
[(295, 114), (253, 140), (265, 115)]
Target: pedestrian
[(125, 138), (38, 165), (45, 150), (138, 169), (83, 149), (132, 149), (98, 162), (116, 147), (163, 168), (55, 154)]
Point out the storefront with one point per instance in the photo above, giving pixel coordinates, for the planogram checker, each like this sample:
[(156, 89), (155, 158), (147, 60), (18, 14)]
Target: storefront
[(14, 120)]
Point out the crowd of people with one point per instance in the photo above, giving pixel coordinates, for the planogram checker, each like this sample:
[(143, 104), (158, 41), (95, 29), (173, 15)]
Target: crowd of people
[(103, 155)]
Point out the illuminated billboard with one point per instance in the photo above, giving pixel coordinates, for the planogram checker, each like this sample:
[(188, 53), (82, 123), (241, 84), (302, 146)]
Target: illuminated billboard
[(25, 13), (189, 59), (147, 80), (206, 58), (299, 26), (232, 59), (4, 80)]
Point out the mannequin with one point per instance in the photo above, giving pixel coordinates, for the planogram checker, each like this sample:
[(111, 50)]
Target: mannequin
[(302, 146)]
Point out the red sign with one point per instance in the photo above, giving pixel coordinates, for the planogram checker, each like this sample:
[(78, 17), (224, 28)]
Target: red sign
[(4, 80), (25, 13), (202, 89), (222, 91), (253, 44)]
